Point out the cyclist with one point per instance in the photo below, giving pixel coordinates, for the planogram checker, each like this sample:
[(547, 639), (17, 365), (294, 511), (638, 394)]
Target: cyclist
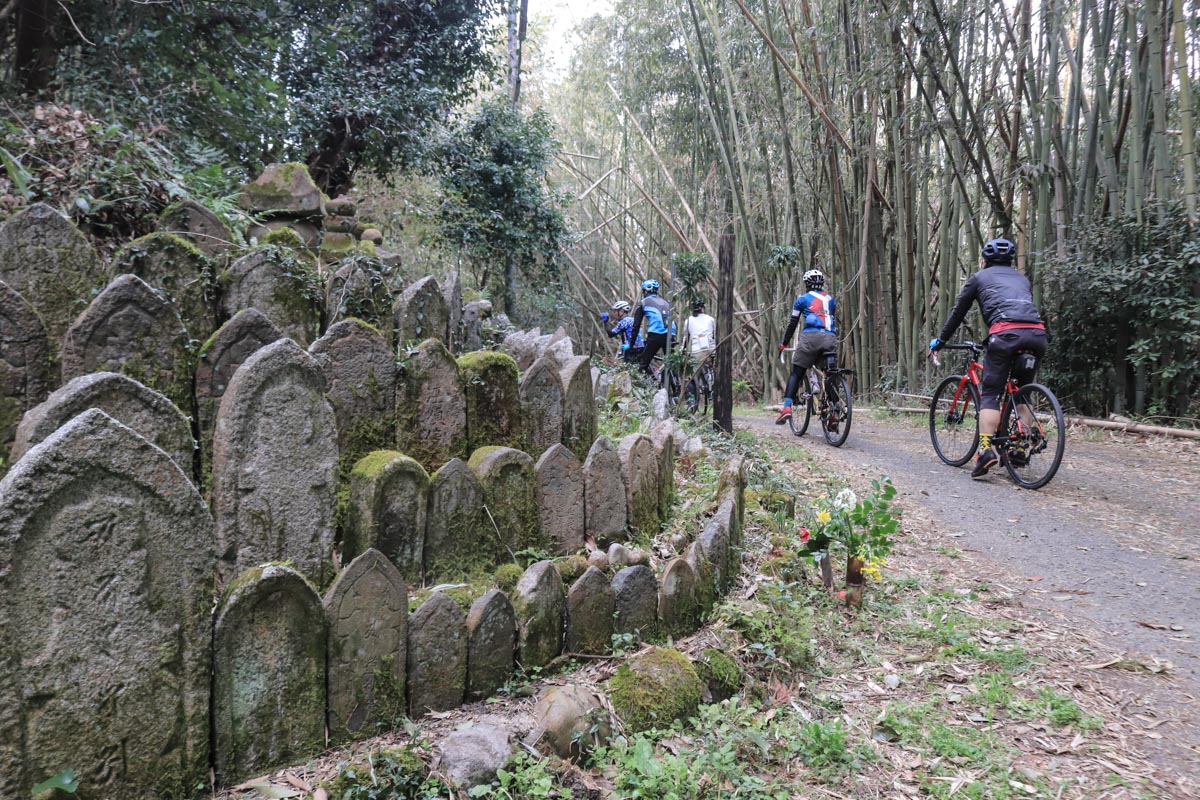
[(1014, 327), (631, 346), (818, 339), (657, 314), (700, 332)]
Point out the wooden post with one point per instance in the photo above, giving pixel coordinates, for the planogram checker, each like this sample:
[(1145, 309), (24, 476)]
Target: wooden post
[(723, 391)]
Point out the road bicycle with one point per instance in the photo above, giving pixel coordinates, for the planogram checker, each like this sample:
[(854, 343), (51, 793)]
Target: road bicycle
[(1032, 434), (665, 376), (699, 387), (835, 415)]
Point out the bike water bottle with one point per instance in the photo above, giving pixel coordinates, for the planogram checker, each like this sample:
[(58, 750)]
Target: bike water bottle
[(814, 385)]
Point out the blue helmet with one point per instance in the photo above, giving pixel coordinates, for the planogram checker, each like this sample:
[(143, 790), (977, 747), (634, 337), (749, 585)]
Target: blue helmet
[(999, 251), (650, 285)]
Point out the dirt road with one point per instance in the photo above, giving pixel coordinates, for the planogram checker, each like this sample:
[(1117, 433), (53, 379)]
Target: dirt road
[(1112, 544)]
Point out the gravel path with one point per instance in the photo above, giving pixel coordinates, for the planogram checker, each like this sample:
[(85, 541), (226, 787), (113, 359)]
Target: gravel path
[(1110, 545)]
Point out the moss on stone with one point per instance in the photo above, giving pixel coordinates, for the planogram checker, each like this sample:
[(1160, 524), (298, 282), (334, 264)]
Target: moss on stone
[(571, 568), (284, 237), (507, 576), (480, 454), (481, 360), (463, 595), (371, 465), (397, 772), (720, 672), (655, 689), (491, 384)]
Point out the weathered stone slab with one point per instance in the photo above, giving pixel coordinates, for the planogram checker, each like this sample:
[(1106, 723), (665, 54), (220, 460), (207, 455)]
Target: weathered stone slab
[(360, 384), (431, 408), (274, 473), (733, 476), (491, 643), (458, 538), (420, 313), (662, 436), (198, 225), (366, 610), (522, 347), (579, 407), (560, 499), (181, 272), (388, 496), (542, 406), (510, 492), (706, 580), (591, 604), (280, 285), (151, 415), (677, 607), (105, 616), (636, 591), (728, 510), (437, 656), (220, 357), (639, 467), (540, 604), (714, 541), (284, 189), (493, 400), (452, 293), (474, 313), (25, 375), (268, 673), (129, 328), (52, 265), (357, 289), (606, 507)]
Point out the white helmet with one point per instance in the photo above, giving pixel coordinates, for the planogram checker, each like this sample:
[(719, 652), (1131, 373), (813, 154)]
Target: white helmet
[(621, 305), (814, 279)]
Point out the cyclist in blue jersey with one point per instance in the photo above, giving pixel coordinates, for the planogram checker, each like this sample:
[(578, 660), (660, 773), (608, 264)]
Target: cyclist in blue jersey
[(818, 340), (657, 314), (631, 343)]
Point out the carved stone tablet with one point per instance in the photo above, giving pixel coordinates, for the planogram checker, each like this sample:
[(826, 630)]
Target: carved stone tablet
[(280, 285), (491, 643), (151, 415), (105, 616), (199, 226), (275, 464), (437, 656), (181, 272), (458, 537), (388, 494), (360, 383), (51, 264), (591, 604), (431, 408), (560, 499), (25, 376), (493, 399), (542, 406), (367, 612), (510, 493), (268, 673), (606, 507), (420, 313), (540, 603), (639, 463), (129, 328)]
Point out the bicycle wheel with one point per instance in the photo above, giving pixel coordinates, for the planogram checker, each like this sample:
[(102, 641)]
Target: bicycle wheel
[(799, 428), (954, 423), (706, 389), (691, 396), (837, 433), (1035, 436)]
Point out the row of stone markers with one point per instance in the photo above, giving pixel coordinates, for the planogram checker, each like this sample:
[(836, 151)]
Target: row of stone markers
[(111, 655), (158, 305)]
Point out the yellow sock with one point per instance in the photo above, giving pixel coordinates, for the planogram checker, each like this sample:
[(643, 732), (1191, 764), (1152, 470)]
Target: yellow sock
[(985, 441)]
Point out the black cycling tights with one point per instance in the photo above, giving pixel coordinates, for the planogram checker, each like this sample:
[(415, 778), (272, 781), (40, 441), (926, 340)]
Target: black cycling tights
[(796, 380)]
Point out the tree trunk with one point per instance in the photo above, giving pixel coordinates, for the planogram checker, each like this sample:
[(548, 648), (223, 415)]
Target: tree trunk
[(723, 391)]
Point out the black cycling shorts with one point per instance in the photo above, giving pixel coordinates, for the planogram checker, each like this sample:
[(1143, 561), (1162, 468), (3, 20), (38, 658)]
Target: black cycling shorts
[(1002, 350)]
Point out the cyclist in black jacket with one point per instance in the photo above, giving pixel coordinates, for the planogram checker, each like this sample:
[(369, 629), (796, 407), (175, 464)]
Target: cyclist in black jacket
[(1014, 327)]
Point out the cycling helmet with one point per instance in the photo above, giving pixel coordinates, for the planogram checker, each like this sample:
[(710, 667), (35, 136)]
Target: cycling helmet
[(999, 251), (650, 285), (814, 279), (621, 305), (697, 304)]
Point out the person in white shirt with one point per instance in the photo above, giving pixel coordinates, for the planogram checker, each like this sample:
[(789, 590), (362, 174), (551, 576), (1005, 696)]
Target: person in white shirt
[(700, 331)]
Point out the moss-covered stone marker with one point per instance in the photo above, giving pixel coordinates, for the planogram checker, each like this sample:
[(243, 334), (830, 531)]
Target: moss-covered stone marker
[(437, 656), (491, 643), (366, 610), (606, 506), (542, 406), (420, 313), (509, 485), (431, 406), (540, 603), (387, 506), (25, 375), (560, 499), (286, 289), (458, 537), (677, 607), (268, 673), (493, 400), (591, 604), (181, 271), (639, 466), (579, 406), (636, 591)]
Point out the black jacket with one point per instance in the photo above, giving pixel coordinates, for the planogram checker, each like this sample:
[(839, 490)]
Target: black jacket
[(1004, 295)]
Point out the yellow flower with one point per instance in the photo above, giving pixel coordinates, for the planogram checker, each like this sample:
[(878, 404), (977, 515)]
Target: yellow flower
[(824, 517), (871, 570)]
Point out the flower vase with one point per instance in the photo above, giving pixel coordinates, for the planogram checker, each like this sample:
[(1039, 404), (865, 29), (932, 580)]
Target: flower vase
[(854, 581)]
